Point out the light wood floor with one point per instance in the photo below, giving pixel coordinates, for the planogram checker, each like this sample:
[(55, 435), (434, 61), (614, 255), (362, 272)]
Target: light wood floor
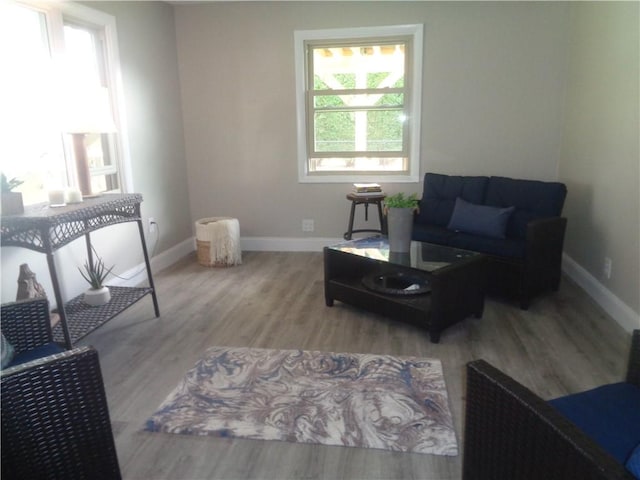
[(564, 343)]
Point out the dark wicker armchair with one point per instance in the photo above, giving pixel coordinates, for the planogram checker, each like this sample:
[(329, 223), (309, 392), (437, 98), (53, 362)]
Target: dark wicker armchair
[(26, 324), (511, 433), (55, 420)]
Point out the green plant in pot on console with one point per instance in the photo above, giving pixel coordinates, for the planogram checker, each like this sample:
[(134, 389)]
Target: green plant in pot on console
[(7, 185), (95, 274), (399, 210), (11, 201)]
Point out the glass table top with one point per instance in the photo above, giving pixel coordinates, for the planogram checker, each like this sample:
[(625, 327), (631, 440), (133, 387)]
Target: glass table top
[(422, 256)]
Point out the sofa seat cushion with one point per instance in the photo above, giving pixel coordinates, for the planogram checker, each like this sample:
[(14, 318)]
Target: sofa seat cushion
[(633, 462), (431, 234), (610, 415), (531, 198), (36, 353), (440, 192), (501, 247)]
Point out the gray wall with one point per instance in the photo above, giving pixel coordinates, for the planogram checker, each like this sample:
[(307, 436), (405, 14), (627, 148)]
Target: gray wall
[(147, 44), (148, 55), (529, 90), (600, 155), (541, 90), (492, 101)]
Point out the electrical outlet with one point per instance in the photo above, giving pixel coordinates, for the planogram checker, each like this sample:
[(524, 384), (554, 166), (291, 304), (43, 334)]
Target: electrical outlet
[(308, 225), (606, 268), (152, 225)]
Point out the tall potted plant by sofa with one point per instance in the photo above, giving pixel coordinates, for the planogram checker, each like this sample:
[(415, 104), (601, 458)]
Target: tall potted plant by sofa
[(400, 210), (95, 274), (11, 201)]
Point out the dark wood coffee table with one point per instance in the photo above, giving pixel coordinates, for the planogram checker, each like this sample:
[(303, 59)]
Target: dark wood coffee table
[(365, 274)]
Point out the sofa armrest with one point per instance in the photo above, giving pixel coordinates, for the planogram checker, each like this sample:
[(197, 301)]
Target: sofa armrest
[(545, 239), (26, 324), (55, 420), (633, 370), (543, 257), (512, 433)]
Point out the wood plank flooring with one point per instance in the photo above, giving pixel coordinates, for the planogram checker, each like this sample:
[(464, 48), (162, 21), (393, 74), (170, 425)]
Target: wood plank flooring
[(563, 344)]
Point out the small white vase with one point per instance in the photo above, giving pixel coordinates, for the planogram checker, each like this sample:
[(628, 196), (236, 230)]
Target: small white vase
[(97, 297)]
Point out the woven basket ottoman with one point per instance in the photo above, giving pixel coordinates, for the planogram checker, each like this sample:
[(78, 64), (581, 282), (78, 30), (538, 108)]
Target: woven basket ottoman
[(218, 242)]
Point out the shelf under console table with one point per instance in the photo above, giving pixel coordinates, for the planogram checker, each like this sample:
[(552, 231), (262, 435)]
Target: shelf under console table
[(45, 229)]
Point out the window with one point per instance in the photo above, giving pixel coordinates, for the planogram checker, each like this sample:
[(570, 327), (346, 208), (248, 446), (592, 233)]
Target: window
[(358, 99), (60, 66)]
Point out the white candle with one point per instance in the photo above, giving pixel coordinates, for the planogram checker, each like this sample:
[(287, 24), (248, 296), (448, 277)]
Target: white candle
[(56, 198), (74, 196)]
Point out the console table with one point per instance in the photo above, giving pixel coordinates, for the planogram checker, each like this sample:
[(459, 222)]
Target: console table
[(45, 229)]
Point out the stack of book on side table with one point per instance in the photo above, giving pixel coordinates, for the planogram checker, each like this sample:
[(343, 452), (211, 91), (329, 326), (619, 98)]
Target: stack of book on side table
[(367, 189)]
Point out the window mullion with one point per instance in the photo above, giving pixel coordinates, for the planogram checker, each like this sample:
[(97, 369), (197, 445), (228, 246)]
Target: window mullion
[(359, 91)]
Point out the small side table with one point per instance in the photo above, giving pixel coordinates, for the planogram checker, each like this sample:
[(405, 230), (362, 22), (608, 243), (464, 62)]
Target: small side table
[(365, 200)]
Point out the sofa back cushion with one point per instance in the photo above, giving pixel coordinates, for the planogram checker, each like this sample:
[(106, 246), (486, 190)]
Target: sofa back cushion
[(440, 193), (531, 198)]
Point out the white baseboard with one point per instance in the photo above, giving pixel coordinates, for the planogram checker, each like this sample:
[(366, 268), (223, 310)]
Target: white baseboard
[(283, 244), (138, 274), (616, 308)]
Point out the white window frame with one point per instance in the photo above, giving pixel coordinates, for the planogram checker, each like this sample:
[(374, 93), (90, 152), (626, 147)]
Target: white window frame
[(413, 107), (55, 15), (101, 20)]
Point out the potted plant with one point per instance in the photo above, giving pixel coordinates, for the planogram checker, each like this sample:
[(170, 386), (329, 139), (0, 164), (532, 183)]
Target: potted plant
[(95, 274), (11, 201), (399, 210)]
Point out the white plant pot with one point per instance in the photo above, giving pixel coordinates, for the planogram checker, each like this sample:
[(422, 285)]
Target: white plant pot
[(97, 297)]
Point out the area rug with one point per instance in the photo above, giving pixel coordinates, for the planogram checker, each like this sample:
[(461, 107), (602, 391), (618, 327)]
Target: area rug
[(346, 399)]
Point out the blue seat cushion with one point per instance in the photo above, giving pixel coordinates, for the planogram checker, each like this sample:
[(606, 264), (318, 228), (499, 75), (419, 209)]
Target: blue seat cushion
[(500, 247), (440, 192), (633, 462), (610, 415), (35, 353)]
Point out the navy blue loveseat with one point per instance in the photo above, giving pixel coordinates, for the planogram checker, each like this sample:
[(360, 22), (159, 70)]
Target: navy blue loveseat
[(516, 223)]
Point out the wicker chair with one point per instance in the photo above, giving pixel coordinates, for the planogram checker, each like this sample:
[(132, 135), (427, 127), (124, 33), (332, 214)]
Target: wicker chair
[(55, 420), (511, 433)]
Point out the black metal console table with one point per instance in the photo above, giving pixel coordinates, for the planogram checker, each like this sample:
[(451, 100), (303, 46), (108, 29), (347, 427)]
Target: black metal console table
[(45, 229)]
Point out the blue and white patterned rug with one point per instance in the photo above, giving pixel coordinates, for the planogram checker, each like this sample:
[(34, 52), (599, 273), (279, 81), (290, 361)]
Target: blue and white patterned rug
[(347, 399)]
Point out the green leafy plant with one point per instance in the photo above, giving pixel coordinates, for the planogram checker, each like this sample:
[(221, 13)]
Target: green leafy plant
[(95, 274), (400, 201), (7, 185)]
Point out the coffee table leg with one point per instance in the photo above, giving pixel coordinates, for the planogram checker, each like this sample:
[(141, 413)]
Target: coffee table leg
[(328, 274)]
